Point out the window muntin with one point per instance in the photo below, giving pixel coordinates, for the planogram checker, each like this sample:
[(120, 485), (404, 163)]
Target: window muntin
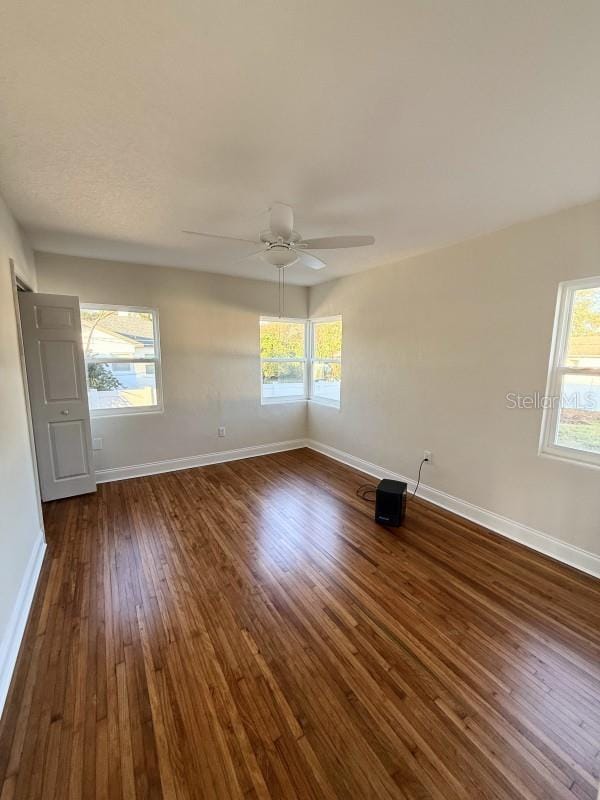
[(571, 425), (282, 360), (122, 355), (326, 361)]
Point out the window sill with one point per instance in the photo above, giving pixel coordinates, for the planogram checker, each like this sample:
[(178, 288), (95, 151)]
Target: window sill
[(286, 400), (111, 413), (580, 458), (278, 401), (327, 403)]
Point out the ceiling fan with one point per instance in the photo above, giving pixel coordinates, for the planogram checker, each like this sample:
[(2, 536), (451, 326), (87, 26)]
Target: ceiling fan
[(283, 246)]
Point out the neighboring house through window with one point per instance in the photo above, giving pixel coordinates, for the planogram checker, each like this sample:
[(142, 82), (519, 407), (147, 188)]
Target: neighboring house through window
[(122, 355)]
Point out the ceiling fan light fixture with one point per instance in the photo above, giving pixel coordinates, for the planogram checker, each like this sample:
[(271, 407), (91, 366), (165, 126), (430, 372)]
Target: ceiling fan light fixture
[(279, 256)]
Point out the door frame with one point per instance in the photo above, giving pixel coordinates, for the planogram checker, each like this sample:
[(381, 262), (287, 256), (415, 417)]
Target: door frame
[(19, 284)]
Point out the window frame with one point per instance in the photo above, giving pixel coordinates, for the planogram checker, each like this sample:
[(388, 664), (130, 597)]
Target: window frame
[(322, 401), (268, 401), (556, 371), (307, 361), (158, 407)]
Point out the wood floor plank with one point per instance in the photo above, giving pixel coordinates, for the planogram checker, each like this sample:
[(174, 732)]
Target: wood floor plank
[(245, 630)]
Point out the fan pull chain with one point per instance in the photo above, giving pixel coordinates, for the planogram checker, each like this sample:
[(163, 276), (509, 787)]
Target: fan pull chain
[(281, 291)]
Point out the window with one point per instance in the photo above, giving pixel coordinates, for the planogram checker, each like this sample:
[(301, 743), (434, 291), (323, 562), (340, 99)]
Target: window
[(282, 360), (326, 360), (301, 360), (122, 358), (571, 426)]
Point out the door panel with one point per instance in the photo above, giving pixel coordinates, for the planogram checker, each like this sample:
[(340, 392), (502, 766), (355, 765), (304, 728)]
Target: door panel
[(60, 367), (69, 455), (51, 329), (50, 318)]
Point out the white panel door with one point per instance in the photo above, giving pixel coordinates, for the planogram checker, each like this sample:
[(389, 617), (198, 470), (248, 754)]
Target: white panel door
[(58, 397)]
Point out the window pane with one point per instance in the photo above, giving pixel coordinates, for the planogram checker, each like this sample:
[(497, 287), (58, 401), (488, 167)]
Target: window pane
[(109, 386), (281, 339), (327, 379), (583, 348), (110, 333), (328, 339), (282, 379), (579, 417)]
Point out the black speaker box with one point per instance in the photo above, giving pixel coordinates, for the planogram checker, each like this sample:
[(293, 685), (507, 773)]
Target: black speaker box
[(390, 503)]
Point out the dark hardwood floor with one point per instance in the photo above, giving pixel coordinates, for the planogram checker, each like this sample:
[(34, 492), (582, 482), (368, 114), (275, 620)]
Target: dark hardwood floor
[(246, 630)]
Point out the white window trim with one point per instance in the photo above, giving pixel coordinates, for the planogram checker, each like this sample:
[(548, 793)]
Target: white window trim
[(300, 398), (560, 335), (158, 407), (322, 401)]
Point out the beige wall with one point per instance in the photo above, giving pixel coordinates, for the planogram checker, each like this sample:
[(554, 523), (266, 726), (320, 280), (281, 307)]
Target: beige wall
[(207, 381), (19, 517), (431, 347)]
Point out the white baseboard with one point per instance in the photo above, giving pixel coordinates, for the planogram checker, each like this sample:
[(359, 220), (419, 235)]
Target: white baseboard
[(174, 464), (9, 647), (518, 532)]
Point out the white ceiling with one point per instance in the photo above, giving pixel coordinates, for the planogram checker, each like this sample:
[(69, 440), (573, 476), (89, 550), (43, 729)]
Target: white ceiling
[(423, 123)]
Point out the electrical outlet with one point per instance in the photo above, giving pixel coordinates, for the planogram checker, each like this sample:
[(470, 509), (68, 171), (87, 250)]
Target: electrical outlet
[(221, 431), (429, 456), (97, 443)]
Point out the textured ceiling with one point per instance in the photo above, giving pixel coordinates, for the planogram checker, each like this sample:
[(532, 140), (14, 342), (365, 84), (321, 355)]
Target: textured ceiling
[(122, 122)]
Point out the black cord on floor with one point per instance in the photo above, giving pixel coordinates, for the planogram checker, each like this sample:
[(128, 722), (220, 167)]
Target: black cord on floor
[(365, 490), (419, 477)]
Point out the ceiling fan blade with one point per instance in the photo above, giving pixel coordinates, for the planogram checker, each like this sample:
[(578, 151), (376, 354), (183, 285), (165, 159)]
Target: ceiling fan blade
[(218, 236), (309, 260), (250, 255), (282, 221), (331, 242)]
